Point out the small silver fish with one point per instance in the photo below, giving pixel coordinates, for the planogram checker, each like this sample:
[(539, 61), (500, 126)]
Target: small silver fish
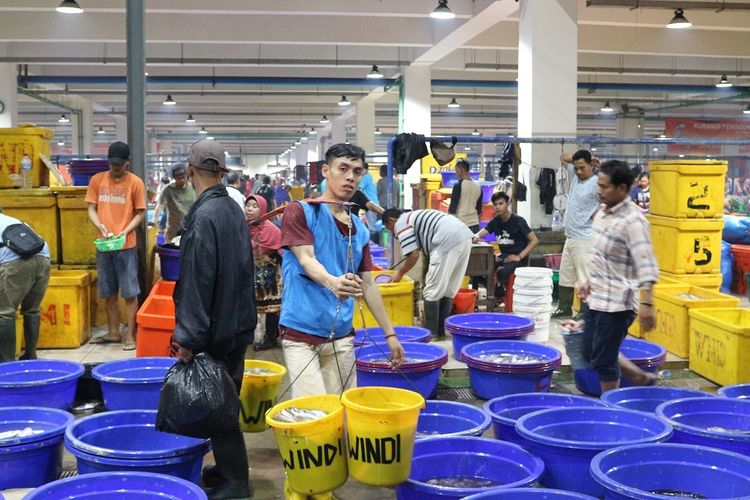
[(461, 482), (510, 359), (259, 371), (19, 433), (293, 414)]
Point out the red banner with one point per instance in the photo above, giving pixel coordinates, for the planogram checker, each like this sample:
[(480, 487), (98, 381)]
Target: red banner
[(687, 128)]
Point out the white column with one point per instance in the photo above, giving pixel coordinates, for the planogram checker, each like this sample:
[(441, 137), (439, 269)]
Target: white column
[(417, 116), (631, 127), (547, 90), (300, 154), (314, 152), (366, 125), (338, 130), (8, 96), (121, 128)]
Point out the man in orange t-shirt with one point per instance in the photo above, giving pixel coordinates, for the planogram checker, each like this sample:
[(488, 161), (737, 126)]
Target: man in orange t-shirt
[(117, 205)]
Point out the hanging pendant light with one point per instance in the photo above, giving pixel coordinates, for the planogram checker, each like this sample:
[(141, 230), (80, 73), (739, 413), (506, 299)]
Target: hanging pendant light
[(344, 101), (606, 108), (313, 131), (63, 119), (377, 131), (203, 131), (169, 101), (679, 21), (69, 7), (101, 131), (374, 72), (746, 111), (724, 82), (442, 11), (454, 103), (476, 132), (190, 119), (325, 120)]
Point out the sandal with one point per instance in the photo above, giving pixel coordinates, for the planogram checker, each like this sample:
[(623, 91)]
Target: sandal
[(104, 340), (128, 345)]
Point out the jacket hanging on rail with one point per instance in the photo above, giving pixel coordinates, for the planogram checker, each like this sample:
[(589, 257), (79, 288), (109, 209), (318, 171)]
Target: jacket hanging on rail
[(547, 189), (408, 149)]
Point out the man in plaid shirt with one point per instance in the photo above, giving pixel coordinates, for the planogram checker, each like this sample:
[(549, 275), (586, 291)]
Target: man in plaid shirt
[(622, 263)]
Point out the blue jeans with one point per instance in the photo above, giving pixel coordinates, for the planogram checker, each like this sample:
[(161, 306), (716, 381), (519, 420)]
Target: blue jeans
[(603, 334)]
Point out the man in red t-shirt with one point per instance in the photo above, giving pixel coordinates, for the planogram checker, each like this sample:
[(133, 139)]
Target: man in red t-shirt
[(117, 205)]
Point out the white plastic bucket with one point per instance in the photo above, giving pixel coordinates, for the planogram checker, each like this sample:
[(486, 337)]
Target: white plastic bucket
[(533, 273), (541, 316), (532, 301)]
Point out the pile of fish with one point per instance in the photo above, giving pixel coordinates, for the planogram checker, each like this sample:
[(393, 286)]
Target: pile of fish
[(19, 433), (387, 361), (461, 482), (716, 428), (293, 414), (677, 494), (507, 358), (259, 371)]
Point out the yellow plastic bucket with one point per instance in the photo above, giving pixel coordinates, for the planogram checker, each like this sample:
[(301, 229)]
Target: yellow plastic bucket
[(687, 188), (687, 246), (313, 453), (258, 394), (398, 299), (380, 424)]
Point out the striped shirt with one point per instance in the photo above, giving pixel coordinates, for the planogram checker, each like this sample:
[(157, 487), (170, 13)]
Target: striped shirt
[(622, 259), (431, 231)]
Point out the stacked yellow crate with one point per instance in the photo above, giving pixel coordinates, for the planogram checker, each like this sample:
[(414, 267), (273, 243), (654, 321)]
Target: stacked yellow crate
[(687, 205)]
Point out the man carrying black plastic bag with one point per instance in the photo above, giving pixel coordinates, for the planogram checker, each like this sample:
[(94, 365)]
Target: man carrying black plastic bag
[(215, 312)]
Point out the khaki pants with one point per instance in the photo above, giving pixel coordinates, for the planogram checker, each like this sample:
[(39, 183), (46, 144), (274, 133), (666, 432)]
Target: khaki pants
[(324, 368), (446, 272), (23, 282), (574, 266)]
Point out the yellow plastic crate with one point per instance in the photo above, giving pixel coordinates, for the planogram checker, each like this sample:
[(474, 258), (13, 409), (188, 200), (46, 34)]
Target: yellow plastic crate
[(663, 284), (398, 299), (65, 311), (687, 188), (687, 246), (720, 344), (672, 319), (16, 142), (77, 233), (709, 281), (38, 209)]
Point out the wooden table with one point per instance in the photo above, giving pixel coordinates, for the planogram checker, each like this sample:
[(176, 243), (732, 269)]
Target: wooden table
[(482, 264)]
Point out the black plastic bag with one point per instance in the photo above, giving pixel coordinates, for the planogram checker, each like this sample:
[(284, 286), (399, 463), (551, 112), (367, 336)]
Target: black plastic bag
[(198, 399)]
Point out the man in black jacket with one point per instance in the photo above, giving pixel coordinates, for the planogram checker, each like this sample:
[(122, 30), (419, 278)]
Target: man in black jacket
[(215, 300)]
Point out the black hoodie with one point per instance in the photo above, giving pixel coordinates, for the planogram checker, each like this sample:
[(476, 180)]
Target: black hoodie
[(215, 295)]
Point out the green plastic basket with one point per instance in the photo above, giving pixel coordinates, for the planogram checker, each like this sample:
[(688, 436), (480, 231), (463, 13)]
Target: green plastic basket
[(110, 244)]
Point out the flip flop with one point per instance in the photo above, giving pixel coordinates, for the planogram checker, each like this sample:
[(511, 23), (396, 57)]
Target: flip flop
[(104, 340), (128, 346)]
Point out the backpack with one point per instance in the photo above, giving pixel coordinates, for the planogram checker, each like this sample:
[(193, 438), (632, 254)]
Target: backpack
[(22, 240)]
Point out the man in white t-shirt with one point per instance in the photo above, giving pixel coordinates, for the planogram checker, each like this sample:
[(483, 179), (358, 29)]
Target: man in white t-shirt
[(583, 202), (233, 189)]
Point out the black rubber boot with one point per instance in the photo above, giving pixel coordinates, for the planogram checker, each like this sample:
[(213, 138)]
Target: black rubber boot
[(30, 335), (211, 476), (231, 462), (446, 307), (432, 317), (564, 303), (7, 340)]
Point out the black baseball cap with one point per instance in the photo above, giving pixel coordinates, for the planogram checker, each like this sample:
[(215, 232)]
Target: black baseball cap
[(118, 154)]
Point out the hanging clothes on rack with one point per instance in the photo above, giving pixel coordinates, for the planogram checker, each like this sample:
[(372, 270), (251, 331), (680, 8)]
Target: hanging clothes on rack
[(547, 189)]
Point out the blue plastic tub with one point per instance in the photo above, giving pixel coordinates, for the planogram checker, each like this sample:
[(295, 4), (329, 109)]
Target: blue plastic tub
[(450, 178), (488, 188), (529, 494), (647, 398), (377, 251), (161, 238), (501, 464), (470, 328), (636, 471), (28, 462), (568, 438), (448, 418), (739, 391), (81, 179), (506, 410), (48, 383), (169, 259), (491, 380), (644, 354), (717, 422), (119, 485), (380, 262), (132, 384), (420, 376), (128, 441), (404, 333)]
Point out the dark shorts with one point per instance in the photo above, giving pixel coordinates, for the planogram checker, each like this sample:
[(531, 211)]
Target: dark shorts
[(118, 272), (604, 333)]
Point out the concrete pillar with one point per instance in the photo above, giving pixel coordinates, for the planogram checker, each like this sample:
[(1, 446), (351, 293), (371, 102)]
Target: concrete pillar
[(121, 128), (631, 127), (366, 125), (8, 96), (338, 131), (300, 154), (416, 116), (81, 125), (547, 90)]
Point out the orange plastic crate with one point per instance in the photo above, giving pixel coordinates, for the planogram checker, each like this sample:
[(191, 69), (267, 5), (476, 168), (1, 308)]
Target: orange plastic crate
[(155, 327), (163, 288)]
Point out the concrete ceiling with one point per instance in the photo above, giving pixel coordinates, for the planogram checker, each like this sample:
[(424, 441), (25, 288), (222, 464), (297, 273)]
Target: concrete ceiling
[(205, 55)]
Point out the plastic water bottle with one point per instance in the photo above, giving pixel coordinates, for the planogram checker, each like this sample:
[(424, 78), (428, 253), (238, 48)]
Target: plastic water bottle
[(557, 223), (26, 170)]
